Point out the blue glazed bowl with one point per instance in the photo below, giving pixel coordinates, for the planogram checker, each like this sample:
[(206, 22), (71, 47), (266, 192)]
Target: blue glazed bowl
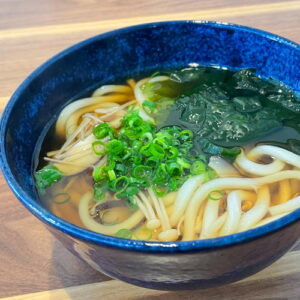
[(119, 54)]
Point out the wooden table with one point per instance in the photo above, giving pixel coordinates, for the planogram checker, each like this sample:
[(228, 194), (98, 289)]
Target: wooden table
[(32, 31)]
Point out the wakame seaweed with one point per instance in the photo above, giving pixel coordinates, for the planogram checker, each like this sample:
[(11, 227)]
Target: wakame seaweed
[(224, 109)]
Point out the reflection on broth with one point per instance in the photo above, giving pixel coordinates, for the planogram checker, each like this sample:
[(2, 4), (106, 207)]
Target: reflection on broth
[(190, 154)]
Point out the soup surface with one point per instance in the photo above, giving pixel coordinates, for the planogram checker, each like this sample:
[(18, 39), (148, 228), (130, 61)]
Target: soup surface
[(195, 153)]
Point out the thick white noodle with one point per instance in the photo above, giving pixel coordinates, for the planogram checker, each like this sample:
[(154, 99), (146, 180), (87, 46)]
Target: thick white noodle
[(114, 110), (91, 224), (269, 220), (201, 194), (222, 167), (144, 116), (80, 152), (257, 212), (210, 215), (223, 184), (72, 137), (60, 127), (257, 169), (140, 98), (285, 207), (184, 195), (288, 174), (234, 211), (198, 224), (169, 235), (71, 123), (158, 79), (213, 229), (106, 89), (169, 199), (277, 152)]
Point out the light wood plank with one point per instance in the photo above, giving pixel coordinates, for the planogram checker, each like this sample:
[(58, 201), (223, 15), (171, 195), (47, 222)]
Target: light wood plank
[(3, 102), (21, 56), (53, 12), (109, 24), (287, 267)]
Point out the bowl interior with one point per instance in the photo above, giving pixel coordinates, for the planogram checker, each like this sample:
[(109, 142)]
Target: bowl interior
[(117, 55)]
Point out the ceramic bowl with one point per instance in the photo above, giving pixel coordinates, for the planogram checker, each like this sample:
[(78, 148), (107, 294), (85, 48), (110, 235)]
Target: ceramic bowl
[(111, 57)]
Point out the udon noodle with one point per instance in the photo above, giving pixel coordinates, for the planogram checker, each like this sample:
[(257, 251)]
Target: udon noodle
[(259, 186)]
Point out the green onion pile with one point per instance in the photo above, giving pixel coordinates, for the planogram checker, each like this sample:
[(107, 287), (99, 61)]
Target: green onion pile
[(140, 157)]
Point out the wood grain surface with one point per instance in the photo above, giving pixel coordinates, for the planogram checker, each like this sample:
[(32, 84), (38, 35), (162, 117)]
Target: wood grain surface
[(32, 31), (271, 283)]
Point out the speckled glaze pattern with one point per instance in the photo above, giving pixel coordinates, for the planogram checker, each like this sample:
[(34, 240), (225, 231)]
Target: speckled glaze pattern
[(116, 55)]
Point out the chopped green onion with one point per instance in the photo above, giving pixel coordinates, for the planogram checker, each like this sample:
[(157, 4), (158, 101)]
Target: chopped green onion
[(160, 191), (131, 108), (186, 135), (198, 167), (174, 169), (131, 203), (140, 157), (145, 150), (110, 164), (115, 147), (172, 152), (99, 173), (132, 190), (111, 174), (162, 141), (157, 151), (147, 137), (216, 195), (141, 171), (127, 155), (131, 133), (124, 234), (135, 122), (99, 192), (175, 183), (161, 174), (120, 167), (210, 174), (152, 162), (47, 176), (120, 183), (136, 145), (183, 163), (101, 130), (149, 106), (98, 147), (137, 160)]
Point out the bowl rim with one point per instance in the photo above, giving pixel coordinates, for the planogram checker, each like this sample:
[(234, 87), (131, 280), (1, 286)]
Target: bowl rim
[(109, 241)]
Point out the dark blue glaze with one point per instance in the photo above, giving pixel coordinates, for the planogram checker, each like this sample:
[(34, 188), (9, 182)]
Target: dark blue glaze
[(118, 54)]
